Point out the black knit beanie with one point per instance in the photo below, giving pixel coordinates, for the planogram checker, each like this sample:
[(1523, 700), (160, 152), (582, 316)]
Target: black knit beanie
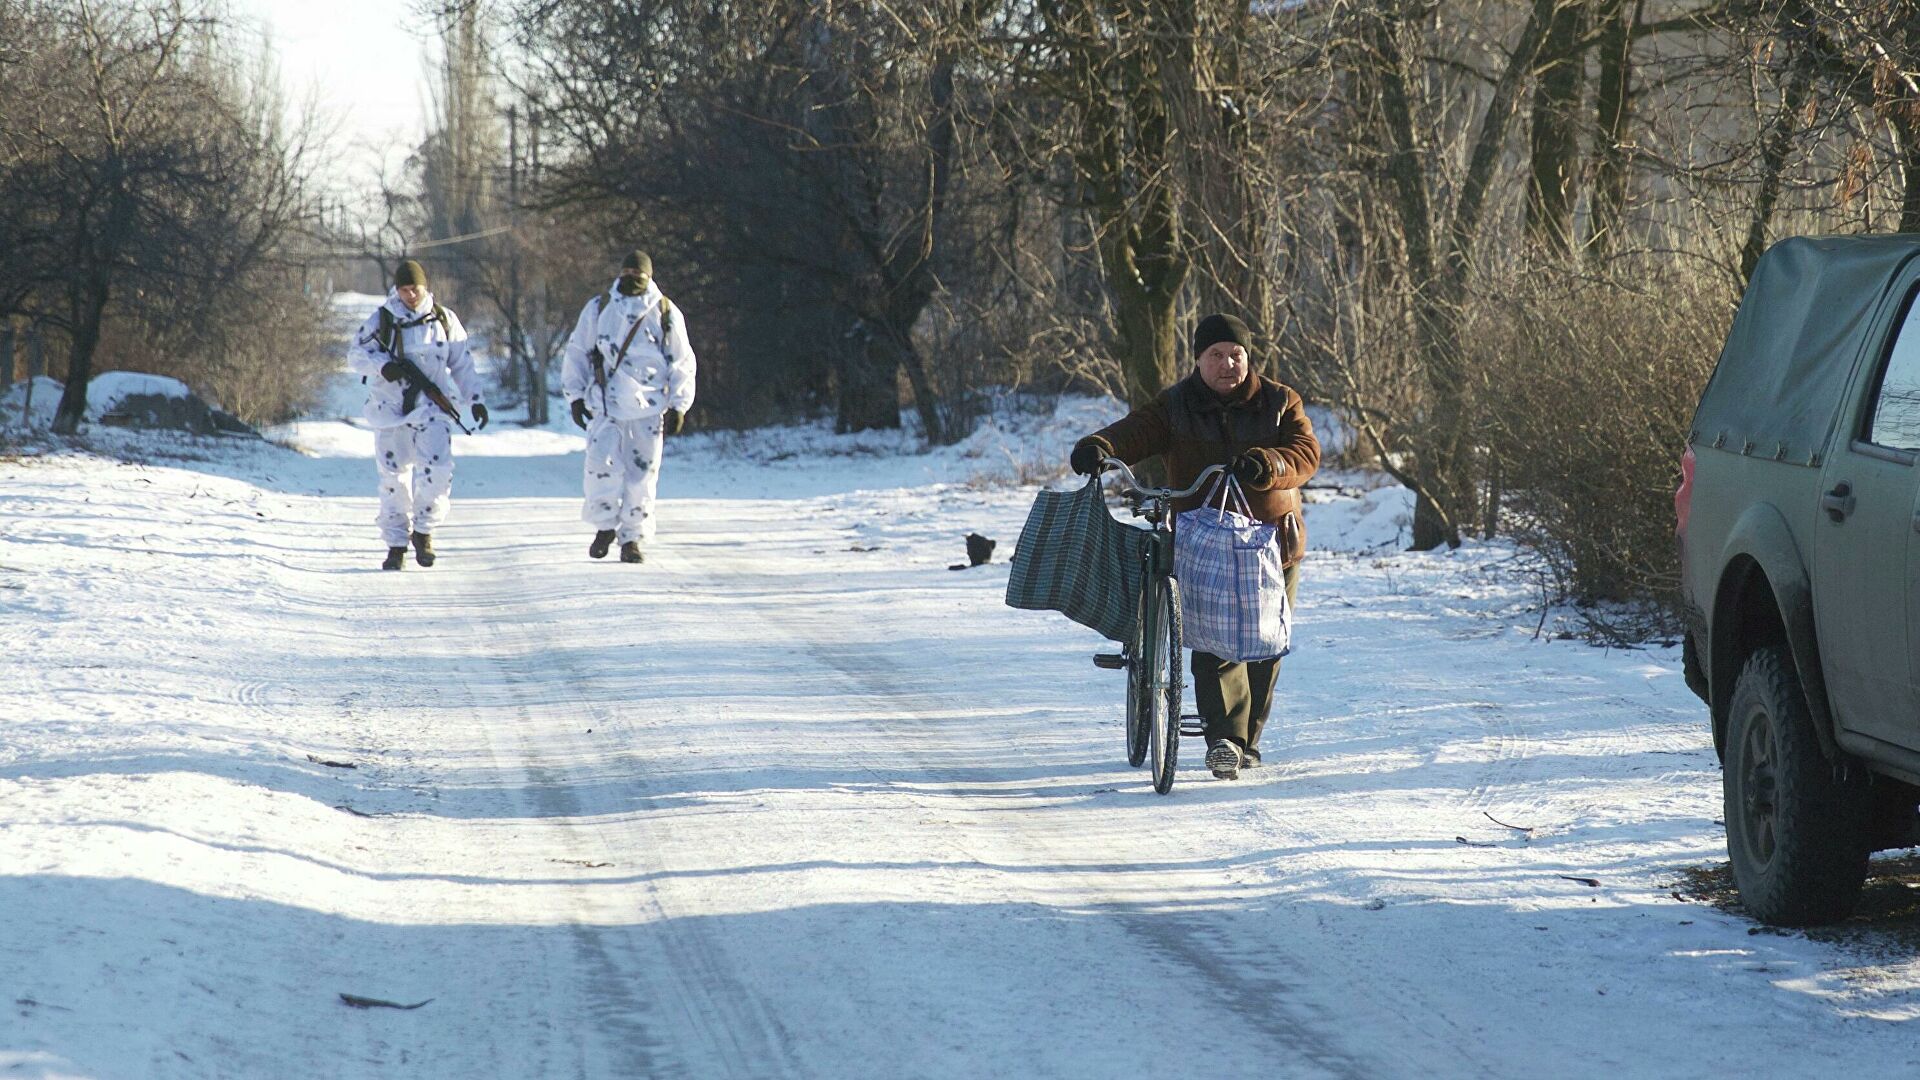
[(410, 273), (1217, 328)]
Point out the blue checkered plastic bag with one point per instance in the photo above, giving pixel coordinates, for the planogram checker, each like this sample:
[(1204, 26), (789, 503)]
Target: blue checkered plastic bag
[(1233, 586)]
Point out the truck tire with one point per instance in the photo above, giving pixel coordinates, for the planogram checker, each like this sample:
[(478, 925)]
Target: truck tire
[(1797, 828)]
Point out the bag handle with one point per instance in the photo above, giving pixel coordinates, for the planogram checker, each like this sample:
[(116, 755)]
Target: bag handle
[(1229, 482)]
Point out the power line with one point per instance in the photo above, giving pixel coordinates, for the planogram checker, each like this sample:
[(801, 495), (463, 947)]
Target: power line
[(360, 253)]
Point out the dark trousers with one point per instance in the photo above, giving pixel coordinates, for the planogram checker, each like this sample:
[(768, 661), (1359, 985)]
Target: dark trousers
[(1234, 698)]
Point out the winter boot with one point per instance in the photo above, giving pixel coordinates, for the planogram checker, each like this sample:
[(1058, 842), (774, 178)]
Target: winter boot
[(423, 548), (630, 552), (602, 543), (396, 558), (1249, 758), (1224, 759)]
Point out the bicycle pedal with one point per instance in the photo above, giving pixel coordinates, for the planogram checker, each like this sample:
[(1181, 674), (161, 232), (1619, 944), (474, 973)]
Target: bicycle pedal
[(1112, 661), (1193, 727)]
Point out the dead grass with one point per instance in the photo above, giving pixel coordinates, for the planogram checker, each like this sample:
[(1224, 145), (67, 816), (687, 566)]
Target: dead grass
[(1885, 926)]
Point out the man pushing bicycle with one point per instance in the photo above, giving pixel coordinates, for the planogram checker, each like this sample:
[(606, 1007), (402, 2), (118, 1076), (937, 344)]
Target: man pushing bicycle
[(1225, 414)]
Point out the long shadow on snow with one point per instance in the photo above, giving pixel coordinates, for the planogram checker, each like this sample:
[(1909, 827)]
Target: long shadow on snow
[(968, 989), (618, 784), (608, 875)]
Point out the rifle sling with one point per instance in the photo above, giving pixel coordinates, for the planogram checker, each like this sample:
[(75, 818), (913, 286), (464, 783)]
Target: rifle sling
[(624, 345), (602, 371)]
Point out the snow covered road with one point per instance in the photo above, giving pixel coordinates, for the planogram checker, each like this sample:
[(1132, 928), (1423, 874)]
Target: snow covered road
[(792, 799)]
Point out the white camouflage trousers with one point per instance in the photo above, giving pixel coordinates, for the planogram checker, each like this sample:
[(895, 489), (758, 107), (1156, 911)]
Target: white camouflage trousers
[(622, 475), (416, 477)]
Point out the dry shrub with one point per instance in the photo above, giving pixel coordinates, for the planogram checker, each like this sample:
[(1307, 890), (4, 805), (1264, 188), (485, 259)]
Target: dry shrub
[(270, 377), (262, 355), (1588, 388)]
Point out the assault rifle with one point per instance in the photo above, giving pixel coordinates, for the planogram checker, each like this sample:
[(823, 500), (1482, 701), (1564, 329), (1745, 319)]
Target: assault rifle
[(599, 361), (418, 383), (389, 337)]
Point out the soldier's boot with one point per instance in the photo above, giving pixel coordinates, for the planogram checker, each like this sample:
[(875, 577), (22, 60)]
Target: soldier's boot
[(602, 543), (423, 548), (630, 552), (396, 558)]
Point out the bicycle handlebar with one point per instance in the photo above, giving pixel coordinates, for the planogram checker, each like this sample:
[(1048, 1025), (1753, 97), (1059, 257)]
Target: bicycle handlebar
[(1133, 483)]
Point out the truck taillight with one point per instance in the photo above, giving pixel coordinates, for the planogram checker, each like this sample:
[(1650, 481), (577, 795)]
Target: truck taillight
[(1683, 496)]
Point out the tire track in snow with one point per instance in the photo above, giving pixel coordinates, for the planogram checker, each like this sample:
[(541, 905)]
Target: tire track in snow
[(1274, 1007), (649, 982)]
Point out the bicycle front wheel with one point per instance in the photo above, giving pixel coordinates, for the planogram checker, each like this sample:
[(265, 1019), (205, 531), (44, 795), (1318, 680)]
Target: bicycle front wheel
[(1164, 684), (1139, 715)]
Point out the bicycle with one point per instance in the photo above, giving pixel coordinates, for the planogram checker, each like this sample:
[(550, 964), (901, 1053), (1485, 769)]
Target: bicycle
[(1151, 659)]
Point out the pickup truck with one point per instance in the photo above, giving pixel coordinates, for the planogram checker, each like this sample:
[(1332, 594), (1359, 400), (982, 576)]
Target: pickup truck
[(1798, 520)]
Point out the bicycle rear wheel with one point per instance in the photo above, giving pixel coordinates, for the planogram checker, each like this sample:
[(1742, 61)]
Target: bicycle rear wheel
[(1164, 683)]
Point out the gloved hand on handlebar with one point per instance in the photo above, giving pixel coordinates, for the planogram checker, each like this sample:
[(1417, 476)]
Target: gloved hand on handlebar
[(1252, 469), (1086, 457)]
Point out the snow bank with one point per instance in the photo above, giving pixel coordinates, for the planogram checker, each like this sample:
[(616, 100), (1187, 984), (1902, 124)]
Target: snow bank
[(14, 404), (1338, 520), (107, 391)]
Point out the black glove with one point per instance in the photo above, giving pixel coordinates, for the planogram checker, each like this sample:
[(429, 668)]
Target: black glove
[(1252, 470), (392, 371), (479, 412), (672, 421), (1086, 458), (580, 413)]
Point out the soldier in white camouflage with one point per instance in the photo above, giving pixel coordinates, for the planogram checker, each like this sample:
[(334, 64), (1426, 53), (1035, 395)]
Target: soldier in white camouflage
[(628, 375)]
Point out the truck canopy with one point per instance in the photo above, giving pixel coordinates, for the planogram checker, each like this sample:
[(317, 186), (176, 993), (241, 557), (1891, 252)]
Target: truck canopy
[(1803, 322)]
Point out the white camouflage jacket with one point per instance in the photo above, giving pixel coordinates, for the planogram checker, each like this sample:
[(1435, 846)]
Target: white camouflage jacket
[(657, 372), (440, 350)]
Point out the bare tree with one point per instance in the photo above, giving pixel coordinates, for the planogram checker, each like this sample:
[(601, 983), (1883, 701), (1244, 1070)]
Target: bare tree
[(1101, 75), (805, 155), (135, 174)]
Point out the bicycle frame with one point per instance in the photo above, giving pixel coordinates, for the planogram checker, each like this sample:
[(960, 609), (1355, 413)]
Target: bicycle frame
[(1155, 683)]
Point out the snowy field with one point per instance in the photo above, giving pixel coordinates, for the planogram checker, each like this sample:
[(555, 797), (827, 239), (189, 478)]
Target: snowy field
[(793, 799)]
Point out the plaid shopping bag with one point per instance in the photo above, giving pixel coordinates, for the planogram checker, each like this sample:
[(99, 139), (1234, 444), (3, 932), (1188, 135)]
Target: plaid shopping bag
[(1075, 559), (1233, 585)]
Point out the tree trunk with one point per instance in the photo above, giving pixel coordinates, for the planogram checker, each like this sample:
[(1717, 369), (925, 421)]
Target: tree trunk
[(1555, 142), (535, 369), (909, 266), (1613, 105), (928, 402), (1414, 207), (1127, 161), (1908, 129), (1226, 196), (88, 304), (1773, 159), (866, 372), (1445, 492), (1149, 341)]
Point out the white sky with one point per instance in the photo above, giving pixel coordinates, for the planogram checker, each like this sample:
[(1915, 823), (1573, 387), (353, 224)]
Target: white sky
[(361, 62)]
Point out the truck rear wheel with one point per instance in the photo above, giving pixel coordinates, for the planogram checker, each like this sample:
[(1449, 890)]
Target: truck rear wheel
[(1797, 830)]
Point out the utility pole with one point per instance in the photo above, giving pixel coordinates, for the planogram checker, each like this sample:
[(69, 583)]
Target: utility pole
[(536, 382)]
